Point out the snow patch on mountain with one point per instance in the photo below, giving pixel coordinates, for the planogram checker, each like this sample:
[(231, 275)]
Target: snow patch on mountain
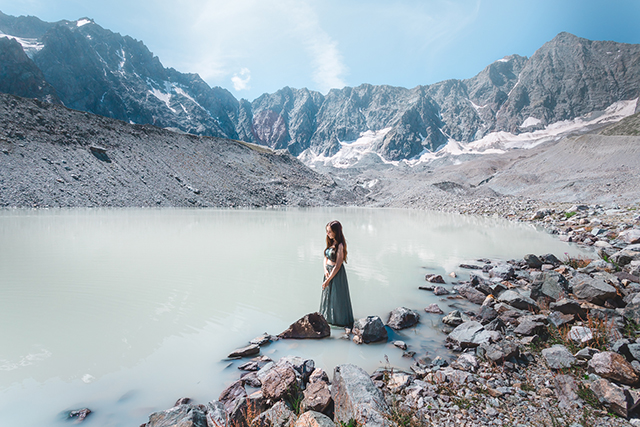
[(82, 22), (530, 121), (351, 152), (29, 45), (164, 97)]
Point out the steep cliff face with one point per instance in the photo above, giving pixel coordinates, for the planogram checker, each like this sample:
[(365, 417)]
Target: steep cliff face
[(93, 69)]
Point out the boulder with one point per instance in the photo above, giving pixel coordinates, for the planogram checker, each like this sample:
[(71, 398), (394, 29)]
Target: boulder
[(634, 351), (454, 318), (624, 257), (317, 397), (439, 290), (434, 278), (357, 398), (549, 284), (613, 366), (631, 236), (586, 353), (251, 379), (279, 382), (318, 375), (470, 293), (464, 335), (558, 357), (531, 325), (558, 319), (313, 325), (181, 415), (434, 308), (249, 350), (262, 339), (613, 396), (279, 415), (498, 352), (466, 362), (303, 367), (532, 261), (402, 318), (568, 306), (231, 394), (503, 271), (550, 259), (216, 415), (487, 313), (595, 291), (519, 301), (314, 419), (370, 329), (80, 414), (566, 389), (580, 334)]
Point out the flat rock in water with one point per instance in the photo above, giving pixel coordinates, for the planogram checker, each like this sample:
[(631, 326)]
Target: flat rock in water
[(402, 318), (369, 329), (357, 398), (312, 325), (439, 290), (434, 278), (613, 366), (80, 414), (558, 357), (400, 344), (249, 350), (261, 340), (434, 308)]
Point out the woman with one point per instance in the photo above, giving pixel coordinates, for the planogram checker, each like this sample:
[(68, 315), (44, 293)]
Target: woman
[(335, 304)]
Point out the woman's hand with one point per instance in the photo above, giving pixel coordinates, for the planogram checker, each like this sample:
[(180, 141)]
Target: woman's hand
[(325, 284)]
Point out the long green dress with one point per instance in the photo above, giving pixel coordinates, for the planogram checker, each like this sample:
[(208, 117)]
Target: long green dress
[(335, 303)]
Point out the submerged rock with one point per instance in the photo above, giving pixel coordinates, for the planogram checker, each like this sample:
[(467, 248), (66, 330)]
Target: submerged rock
[(249, 350)]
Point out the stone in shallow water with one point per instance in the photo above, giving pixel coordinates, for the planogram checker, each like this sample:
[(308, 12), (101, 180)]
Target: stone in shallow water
[(434, 308), (402, 318), (369, 329), (249, 350), (312, 325)]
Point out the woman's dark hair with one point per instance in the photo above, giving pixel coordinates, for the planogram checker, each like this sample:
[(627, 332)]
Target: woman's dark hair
[(336, 227)]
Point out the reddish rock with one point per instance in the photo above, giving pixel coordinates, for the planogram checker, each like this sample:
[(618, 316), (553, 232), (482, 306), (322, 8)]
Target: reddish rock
[(312, 325)]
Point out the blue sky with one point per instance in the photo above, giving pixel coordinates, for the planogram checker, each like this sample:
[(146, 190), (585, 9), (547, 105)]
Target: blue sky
[(255, 46)]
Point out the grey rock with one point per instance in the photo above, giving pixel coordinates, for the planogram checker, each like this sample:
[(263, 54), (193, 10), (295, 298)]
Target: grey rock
[(504, 271), (631, 236), (434, 308), (466, 362), (550, 284), (634, 350), (550, 259), (531, 326), (464, 335), (249, 350), (314, 419), (182, 415), (568, 306), (279, 415), (261, 340), (439, 290), (317, 397), (580, 334), (318, 375), (566, 389), (434, 278), (499, 352), (558, 319), (518, 301), (586, 353), (251, 379), (532, 261), (312, 325), (402, 318), (303, 367), (400, 344), (370, 329), (558, 357), (232, 394), (596, 291), (624, 257), (356, 397), (613, 366), (615, 397), (454, 318), (470, 293), (216, 415)]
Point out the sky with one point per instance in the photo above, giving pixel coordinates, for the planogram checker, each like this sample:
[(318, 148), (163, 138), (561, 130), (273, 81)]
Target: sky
[(251, 47)]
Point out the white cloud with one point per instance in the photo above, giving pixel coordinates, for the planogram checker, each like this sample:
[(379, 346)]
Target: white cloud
[(241, 81)]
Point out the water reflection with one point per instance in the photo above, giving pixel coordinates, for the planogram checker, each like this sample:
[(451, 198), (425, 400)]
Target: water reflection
[(101, 304)]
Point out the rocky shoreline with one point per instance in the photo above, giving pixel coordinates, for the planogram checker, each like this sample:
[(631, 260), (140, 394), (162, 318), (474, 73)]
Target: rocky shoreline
[(552, 342)]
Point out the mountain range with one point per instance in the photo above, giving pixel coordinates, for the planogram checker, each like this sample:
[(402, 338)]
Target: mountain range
[(86, 67)]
